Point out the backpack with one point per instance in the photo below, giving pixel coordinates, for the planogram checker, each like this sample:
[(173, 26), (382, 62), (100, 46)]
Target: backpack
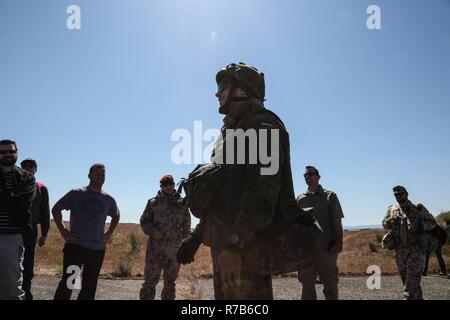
[(439, 233), (289, 244), (200, 188)]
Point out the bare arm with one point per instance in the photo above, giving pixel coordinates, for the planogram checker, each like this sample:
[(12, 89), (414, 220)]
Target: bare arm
[(57, 217), (112, 226)]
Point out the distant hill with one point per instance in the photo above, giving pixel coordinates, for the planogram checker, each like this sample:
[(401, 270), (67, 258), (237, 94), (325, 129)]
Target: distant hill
[(125, 254), (363, 227)]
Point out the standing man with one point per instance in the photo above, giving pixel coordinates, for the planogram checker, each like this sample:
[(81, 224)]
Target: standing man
[(328, 212), (40, 214), (166, 220), (86, 239), (408, 223), (17, 191), (247, 197)]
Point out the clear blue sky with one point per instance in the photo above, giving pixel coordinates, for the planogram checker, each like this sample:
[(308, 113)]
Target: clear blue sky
[(369, 108)]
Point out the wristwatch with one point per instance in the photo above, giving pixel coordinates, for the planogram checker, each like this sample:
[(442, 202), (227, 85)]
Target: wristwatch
[(235, 240)]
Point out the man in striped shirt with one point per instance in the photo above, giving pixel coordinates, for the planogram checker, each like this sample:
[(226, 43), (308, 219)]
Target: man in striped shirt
[(17, 191)]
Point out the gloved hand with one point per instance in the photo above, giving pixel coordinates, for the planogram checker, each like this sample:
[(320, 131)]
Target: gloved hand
[(188, 248), (230, 264)]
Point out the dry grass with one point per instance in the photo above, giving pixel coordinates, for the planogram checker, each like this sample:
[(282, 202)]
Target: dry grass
[(443, 218), (125, 256)]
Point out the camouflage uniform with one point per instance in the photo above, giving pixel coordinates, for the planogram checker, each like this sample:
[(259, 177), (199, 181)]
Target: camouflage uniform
[(408, 226), (164, 213), (250, 196), (246, 204)]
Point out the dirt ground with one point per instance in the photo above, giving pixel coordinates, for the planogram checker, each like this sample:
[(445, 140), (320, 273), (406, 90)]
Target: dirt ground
[(287, 288)]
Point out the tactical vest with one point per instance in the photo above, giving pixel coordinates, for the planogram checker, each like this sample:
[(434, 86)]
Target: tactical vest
[(407, 230)]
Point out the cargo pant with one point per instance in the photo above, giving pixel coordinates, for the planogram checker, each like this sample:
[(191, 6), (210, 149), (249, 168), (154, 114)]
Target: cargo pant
[(326, 268), (11, 258), (160, 255), (410, 263), (253, 286)]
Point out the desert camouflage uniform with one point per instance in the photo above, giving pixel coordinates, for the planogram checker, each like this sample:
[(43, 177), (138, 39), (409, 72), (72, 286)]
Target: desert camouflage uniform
[(246, 203), (166, 214), (408, 226)]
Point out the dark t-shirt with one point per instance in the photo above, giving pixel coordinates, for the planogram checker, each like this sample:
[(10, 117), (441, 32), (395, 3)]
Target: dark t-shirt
[(88, 212)]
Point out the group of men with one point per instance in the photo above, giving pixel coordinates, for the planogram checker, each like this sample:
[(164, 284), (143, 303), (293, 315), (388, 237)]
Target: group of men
[(245, 204), (24, 204)]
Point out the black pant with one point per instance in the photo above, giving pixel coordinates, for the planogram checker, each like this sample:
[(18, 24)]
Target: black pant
[(29, 243), (438, 252), (91, 260)]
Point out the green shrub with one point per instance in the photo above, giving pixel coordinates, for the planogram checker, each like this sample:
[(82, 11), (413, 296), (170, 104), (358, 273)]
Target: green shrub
[(123, 270), (373, 247), (135, 243)]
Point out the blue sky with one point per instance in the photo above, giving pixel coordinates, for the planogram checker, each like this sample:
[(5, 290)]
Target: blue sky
[(369, 108)]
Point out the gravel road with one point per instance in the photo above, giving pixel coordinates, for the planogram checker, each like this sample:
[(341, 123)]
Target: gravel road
[(351, 288)]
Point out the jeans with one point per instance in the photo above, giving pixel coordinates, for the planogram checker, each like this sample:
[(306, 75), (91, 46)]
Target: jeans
[(11, 256)]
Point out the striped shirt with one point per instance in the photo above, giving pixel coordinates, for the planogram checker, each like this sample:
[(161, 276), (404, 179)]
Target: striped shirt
[(7, 185), (8, 180)]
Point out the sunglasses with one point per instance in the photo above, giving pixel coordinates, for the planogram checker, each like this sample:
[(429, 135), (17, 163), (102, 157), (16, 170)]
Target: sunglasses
[(398, 194), (5, 152)]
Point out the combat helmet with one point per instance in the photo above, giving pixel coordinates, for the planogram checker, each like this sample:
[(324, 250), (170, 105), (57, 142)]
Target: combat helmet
[(244, 76)]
